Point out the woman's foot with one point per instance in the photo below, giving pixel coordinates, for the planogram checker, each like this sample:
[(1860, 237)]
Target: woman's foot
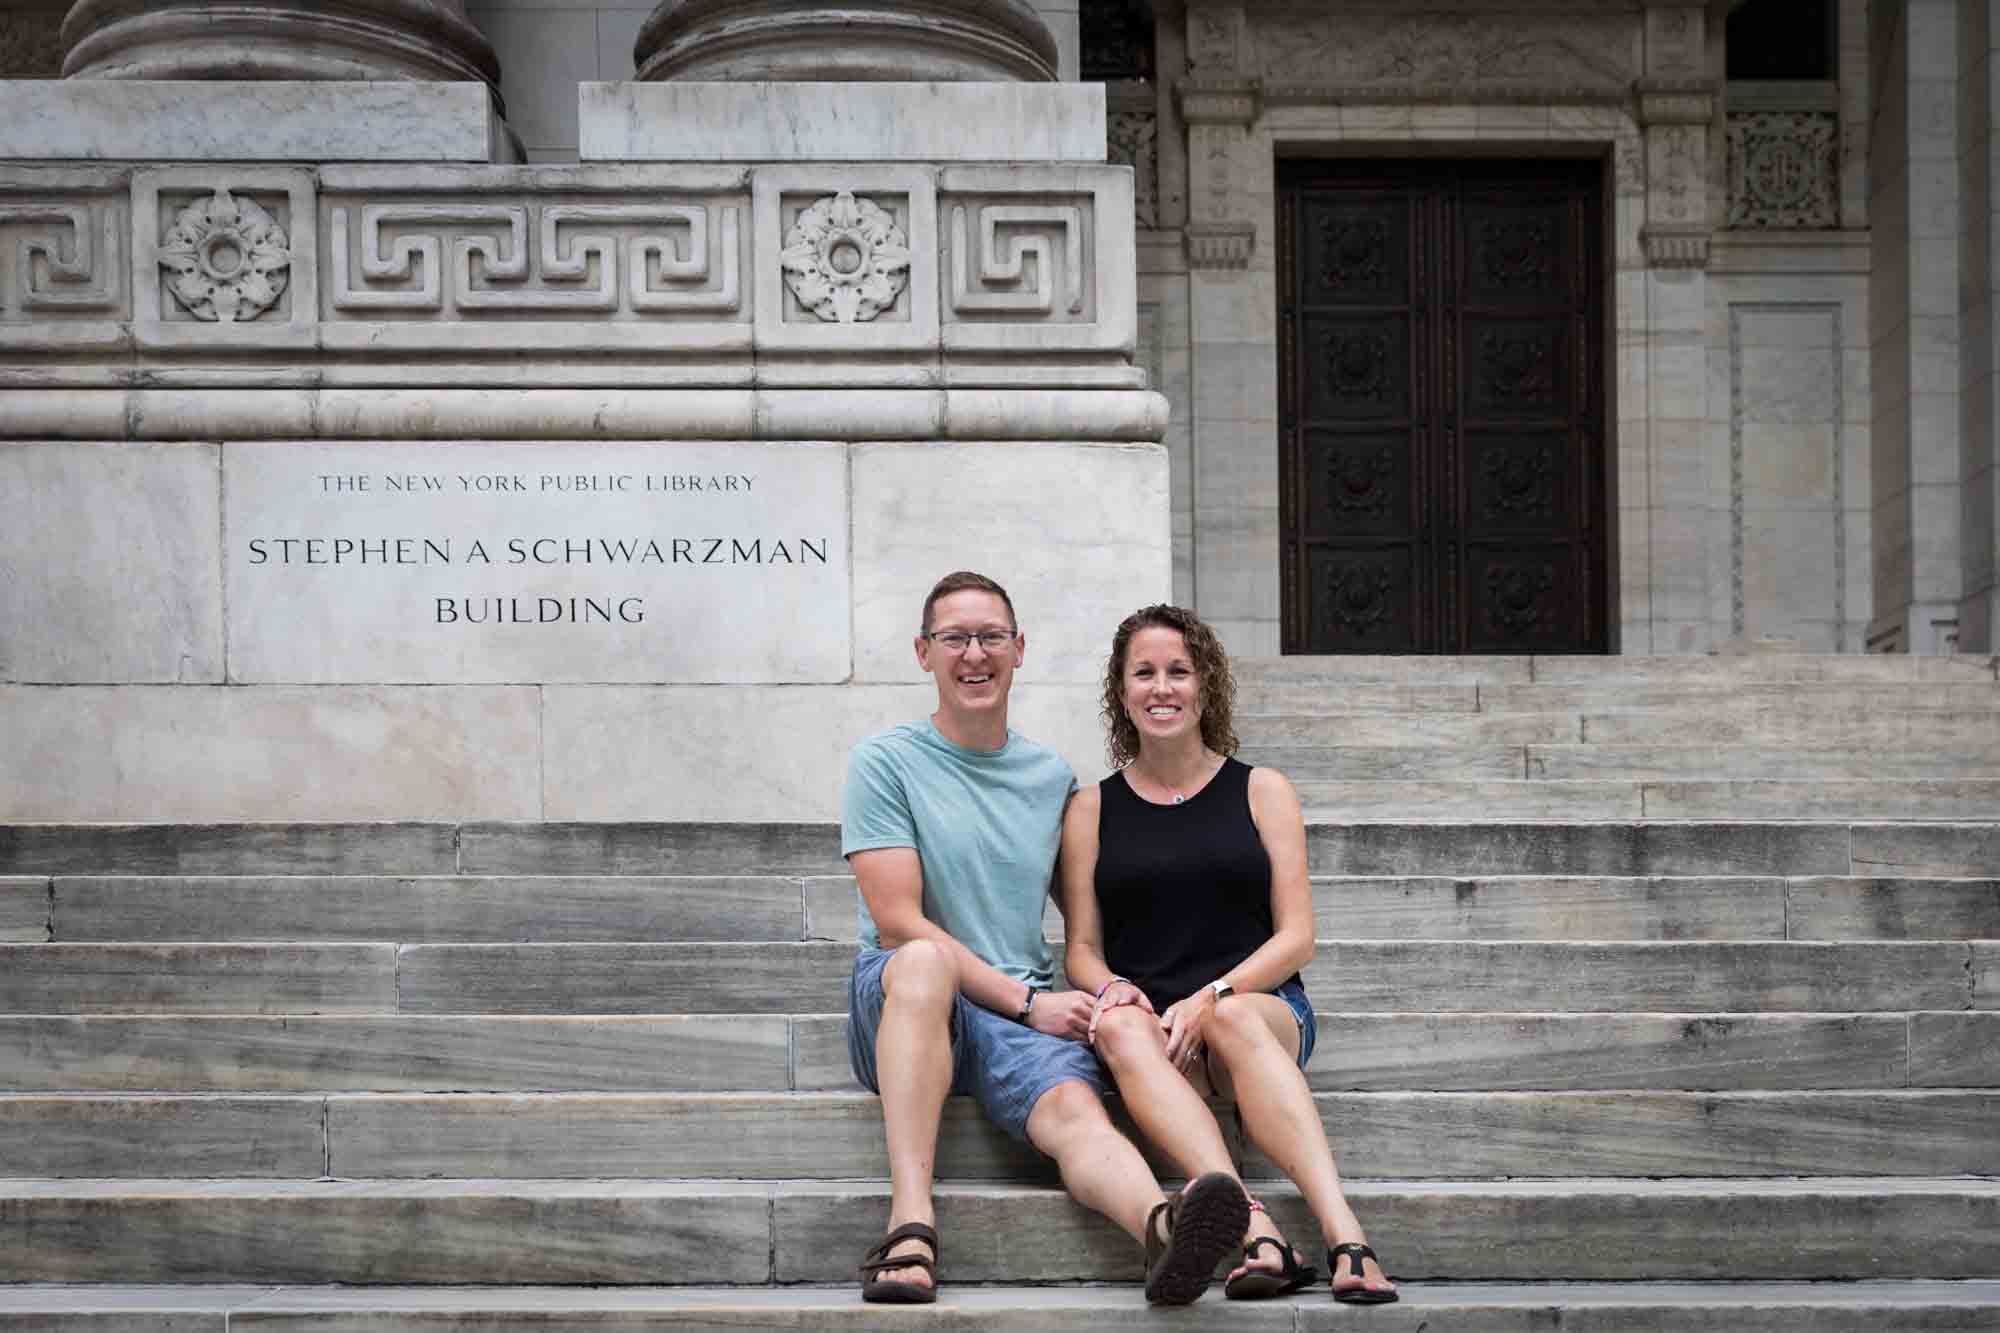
[(1358, 1278), (1270, 1267)]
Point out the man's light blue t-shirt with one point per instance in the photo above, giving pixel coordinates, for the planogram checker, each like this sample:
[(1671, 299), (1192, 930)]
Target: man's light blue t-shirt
[(986, 824)]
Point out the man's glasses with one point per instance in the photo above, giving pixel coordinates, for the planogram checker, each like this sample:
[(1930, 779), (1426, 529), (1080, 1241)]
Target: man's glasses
[(957, 641)]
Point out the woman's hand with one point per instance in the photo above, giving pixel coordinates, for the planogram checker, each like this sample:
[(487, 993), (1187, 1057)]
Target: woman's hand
[(1117, 993), (1183, 1023)]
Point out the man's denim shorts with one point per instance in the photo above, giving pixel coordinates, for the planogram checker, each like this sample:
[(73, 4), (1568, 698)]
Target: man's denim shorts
[(1293, 993), (1003, 1065)]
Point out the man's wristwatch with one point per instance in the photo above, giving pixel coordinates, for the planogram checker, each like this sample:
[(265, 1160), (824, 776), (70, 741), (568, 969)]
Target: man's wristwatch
[(1027, 1005), (1222, 989)]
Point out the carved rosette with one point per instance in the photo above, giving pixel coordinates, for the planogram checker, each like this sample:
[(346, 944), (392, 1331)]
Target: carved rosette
[(845, 259), (1784, 169), (228, 260)]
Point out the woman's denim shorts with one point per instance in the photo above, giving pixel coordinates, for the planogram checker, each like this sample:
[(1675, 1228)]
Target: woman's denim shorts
[(1293, 993)]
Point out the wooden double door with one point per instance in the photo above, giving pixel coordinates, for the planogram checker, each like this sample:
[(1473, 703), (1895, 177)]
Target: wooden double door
[(1443, 477)]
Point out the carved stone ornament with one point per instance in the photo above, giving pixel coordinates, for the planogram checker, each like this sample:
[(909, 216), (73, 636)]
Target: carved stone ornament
[(1784, 169), (227, 258), (845, 259), (1131, 138), (31, 44), (1456, 52)]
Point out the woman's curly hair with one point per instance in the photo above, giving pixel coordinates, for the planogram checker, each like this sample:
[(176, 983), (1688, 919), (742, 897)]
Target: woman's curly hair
[(1211, 669)]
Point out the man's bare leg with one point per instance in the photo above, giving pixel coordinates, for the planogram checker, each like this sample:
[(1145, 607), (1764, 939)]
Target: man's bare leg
[(913, 1070), (1100, 1167)]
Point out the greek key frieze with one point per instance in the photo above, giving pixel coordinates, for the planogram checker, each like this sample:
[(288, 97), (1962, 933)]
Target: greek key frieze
[(64, 259), (550, 259), (1013, 265)]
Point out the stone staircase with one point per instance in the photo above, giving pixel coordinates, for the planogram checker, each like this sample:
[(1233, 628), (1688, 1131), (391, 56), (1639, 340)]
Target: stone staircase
[(1657, 994)]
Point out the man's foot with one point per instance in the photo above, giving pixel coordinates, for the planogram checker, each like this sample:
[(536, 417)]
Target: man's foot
[(1187, 1236), (1358, 1278), (899, 1270)]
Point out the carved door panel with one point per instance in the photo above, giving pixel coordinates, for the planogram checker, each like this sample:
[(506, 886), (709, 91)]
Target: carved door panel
[(1443, 468)]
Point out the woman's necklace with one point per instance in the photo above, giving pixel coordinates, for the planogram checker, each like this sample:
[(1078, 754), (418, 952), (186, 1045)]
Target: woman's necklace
[(1174, 791)]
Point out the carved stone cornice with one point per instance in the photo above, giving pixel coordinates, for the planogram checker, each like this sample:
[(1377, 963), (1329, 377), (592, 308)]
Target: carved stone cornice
[(1675, 101), (1220, 245), (1212, 100), (1674, 246)]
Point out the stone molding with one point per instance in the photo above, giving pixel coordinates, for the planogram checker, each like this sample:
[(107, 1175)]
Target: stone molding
[(1220, 245), (1083, 416), (1675, 101), (1219, 101), (1669, 246), (782, 41), (1014, 275), (358, 40)]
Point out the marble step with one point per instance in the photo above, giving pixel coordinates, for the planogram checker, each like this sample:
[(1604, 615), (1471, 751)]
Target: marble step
[(1954, 799), (527, 909), (1795, 725), (622, 1232), (838, 1136), (1445, 847), (444, 908), (1335, 698), (1873, 1306), (1416, 1051), (731, 978), (1632, 763), (1849, 668)]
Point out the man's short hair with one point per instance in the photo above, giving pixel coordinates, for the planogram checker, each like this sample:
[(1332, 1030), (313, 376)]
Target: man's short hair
[(967, 581)]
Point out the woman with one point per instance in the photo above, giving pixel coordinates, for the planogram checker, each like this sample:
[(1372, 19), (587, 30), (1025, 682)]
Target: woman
[(1189, 915)]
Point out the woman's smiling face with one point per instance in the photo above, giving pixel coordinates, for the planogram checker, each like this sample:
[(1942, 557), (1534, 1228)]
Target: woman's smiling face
[(1162, 687)]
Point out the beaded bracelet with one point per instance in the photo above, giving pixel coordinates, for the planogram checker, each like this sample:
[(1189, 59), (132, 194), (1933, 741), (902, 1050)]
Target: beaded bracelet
[(1109, 984)]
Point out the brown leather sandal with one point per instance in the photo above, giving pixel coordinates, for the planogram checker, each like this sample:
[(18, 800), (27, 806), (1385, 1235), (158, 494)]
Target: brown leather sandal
[(1204, 1223), (877, 1261)]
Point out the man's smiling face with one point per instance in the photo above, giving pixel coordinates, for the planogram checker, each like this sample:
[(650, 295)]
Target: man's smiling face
[(976, 681)]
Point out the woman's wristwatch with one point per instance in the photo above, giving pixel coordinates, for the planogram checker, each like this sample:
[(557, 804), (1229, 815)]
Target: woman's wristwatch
[(1222, 989)]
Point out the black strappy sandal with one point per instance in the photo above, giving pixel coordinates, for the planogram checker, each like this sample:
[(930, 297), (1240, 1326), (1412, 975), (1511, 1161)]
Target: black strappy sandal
[(1261, 1284), (877, 1261), (1204, 1222), (1358, 1254)]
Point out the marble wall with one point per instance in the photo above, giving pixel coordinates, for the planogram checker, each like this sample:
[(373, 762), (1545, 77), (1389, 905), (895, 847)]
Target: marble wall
[(1915, 328), (1979, 464)]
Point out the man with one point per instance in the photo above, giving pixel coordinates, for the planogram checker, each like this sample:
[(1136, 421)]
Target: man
[(951, 826)]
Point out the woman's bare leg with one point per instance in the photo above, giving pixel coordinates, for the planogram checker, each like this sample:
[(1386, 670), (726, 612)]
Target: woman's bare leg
[(1168, 1110), (1253, 1043)]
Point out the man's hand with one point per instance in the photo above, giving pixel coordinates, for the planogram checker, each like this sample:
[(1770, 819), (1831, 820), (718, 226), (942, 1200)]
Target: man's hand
[(1117, 993), (1062, 1013)]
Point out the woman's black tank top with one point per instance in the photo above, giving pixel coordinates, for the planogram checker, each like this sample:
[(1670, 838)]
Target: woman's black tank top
[(1184, 890)]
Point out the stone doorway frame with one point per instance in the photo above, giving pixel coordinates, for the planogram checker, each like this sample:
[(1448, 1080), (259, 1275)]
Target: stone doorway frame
[(1655, 328)]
